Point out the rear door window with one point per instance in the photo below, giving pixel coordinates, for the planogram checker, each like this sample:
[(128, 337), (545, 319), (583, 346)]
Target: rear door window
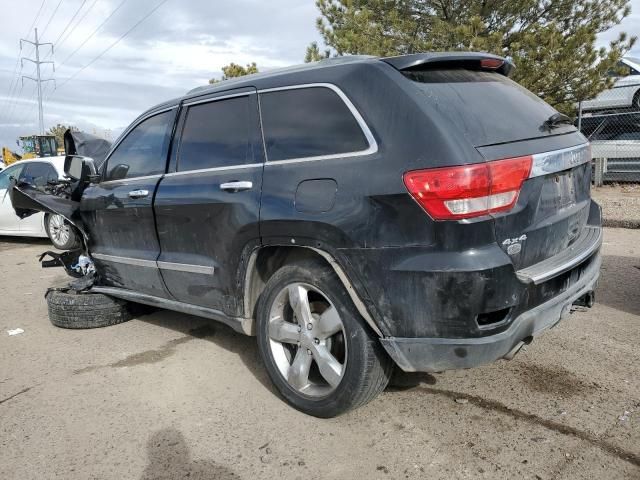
[(308, 122), (38, 174), (486, 107), (144, 150), (216, 134)]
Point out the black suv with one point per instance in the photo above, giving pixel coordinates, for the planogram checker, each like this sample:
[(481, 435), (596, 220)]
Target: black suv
[(354, 214)]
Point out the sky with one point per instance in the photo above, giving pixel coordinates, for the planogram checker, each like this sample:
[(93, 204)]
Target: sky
[(181, 45)]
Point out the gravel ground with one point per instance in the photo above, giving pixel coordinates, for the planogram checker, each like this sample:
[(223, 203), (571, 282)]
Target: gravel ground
[(171, 396), (620, 204)]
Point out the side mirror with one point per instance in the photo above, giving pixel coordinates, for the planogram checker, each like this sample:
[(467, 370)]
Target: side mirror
[(79, 168)]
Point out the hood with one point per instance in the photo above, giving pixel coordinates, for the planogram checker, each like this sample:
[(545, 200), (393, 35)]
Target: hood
[(87, 145)]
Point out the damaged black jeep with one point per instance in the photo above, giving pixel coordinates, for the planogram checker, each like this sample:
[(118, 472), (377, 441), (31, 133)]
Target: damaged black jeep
[(356, 214)]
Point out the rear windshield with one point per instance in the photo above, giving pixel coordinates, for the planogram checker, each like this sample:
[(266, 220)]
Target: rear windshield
[(487, 107)]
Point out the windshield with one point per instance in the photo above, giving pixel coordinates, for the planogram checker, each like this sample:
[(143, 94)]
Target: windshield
[(487, 107)]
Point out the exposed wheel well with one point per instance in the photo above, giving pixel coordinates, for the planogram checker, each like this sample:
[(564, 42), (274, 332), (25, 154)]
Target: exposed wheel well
[(268, 260), (636, 99)]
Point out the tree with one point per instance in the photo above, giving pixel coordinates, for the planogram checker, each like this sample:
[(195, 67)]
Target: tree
[(314, 54), (58, 132), (234, 70), (552, 42)]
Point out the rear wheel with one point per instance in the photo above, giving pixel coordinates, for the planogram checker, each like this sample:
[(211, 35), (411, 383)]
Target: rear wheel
[(317, 350), (61, 233)]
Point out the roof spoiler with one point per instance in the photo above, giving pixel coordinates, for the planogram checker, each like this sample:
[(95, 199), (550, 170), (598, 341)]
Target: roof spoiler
[(440, 60)]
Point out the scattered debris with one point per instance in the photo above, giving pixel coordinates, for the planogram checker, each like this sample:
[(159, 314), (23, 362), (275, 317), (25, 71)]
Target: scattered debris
[(462, 401), (624, 417), (15, 331)]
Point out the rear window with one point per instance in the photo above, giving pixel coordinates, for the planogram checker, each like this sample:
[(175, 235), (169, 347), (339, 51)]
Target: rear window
[(308, 122), (486, 107)]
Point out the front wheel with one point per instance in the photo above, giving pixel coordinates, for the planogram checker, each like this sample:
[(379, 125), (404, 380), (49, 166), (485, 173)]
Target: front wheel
[(318, 351), (61, 233)]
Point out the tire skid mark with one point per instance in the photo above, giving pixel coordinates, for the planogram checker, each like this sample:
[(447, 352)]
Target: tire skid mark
[(24, 390), (531, 418)]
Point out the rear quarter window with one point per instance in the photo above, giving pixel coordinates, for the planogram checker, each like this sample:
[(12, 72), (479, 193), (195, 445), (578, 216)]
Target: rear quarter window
[(486, 107), (309, 122)]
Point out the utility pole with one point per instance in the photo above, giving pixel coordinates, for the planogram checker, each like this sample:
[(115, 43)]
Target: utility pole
[(38, 79)]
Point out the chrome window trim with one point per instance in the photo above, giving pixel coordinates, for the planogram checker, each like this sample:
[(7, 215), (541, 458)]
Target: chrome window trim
[(558, 160), (185, 267), (139, 262), (215, 169), (125, 181), (222, 97), (373, 145)]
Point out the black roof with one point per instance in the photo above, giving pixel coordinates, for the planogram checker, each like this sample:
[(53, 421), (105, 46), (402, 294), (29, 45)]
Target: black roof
[(401, 62)]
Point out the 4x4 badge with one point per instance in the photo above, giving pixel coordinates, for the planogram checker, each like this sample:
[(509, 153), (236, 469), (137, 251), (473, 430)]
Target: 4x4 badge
[(514, 245)]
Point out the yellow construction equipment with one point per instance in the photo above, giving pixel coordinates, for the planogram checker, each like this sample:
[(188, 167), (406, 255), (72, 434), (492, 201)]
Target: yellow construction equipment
[(33, 146)]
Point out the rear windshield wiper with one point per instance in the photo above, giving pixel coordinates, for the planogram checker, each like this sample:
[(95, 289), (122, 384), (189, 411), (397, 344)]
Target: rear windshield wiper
[(556, 120)]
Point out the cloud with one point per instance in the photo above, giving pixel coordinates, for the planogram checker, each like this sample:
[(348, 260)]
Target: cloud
[(176, 49), (180, 46)]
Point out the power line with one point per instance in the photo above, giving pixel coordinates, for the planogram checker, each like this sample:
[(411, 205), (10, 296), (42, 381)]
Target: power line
[(33, 24), (55, 10), (79, 22), (95, 59), (93, 33), (70, 21)]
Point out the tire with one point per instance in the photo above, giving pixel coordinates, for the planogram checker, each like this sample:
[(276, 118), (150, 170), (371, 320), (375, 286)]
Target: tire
[(636, 100), (87, 310), (62, 234), (363, 364)]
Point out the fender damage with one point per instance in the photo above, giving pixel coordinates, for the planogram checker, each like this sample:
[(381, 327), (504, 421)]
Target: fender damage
[(63, 198)]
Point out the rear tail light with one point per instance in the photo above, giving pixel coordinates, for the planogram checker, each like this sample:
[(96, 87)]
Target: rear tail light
[(467, 191)]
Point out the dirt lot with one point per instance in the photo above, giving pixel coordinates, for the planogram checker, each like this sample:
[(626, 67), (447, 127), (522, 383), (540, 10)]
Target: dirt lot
[(620, 204), (171, 396)]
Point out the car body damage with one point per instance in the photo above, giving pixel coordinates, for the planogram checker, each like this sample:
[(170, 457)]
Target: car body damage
[(293, 206), (87, 145), (62, 197)]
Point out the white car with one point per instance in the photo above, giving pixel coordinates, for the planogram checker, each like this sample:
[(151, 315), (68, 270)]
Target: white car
[(36, 172), (625, 92)]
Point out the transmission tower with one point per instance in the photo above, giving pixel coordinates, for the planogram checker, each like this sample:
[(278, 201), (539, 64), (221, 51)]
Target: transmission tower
[(38, 79)]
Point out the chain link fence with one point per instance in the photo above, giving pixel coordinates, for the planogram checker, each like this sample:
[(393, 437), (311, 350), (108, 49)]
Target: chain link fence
[(611, 122)]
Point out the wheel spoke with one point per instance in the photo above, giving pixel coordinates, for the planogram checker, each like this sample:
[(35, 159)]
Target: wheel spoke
[(298, 375), (329, 323), (299, 301), (283, 332), (330, 368)]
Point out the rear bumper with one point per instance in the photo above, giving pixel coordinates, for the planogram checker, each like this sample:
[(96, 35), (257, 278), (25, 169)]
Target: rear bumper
[(438, 354)]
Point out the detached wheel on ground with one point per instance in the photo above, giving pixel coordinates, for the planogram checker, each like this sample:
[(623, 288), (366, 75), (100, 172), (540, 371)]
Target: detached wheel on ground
[(88, 310), (317, 349), (61, 233)]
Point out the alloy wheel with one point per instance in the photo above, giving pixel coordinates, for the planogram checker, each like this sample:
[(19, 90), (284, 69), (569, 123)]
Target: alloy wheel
[(59, 230), (307, 340)]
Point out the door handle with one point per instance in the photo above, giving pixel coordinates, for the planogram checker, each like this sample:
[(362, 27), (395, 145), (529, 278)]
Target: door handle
[(236, 186), (138, 193)]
